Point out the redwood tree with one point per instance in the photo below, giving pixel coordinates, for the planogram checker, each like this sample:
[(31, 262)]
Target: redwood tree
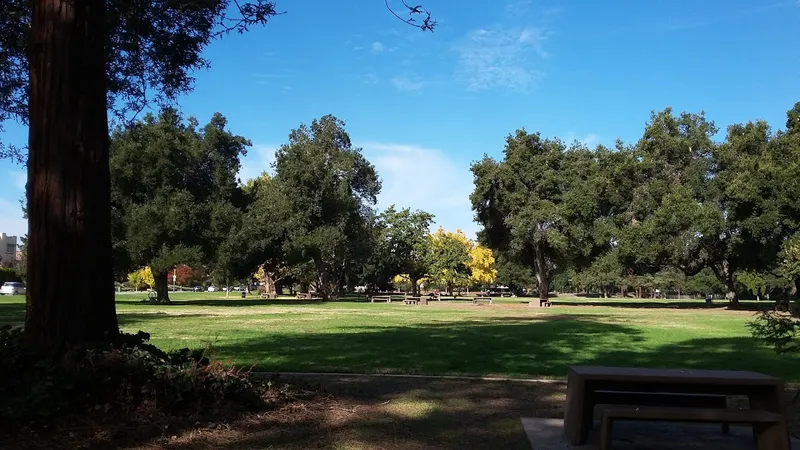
[(69, 238), (63, 64)]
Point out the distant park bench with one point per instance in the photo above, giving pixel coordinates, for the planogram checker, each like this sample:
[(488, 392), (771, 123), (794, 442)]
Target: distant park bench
[(381, 298), (307, 295), (478, 300), (268, 295), (411, 300), (782, 305)]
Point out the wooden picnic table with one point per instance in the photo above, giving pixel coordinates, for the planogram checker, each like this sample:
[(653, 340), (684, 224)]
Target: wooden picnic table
[(765, 392), (481, 299)]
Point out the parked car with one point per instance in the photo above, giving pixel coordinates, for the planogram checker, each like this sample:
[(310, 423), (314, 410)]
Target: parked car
[(212, 289), (12, 288)]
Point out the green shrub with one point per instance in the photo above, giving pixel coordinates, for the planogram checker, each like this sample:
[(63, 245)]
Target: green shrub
[(118, 379), (8, 274), (777, 330)]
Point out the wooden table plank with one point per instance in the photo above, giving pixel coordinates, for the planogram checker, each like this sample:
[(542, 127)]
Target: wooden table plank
[(765, 392), (634, 374)]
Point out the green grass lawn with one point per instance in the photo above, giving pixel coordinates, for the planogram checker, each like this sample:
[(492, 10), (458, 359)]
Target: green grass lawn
[(451, 337)]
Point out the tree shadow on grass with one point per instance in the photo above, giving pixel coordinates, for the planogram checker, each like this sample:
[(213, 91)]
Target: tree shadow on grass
[(253, 301), (240, 302), (509, 346), (12, 314), (666, 304), (497, 345)]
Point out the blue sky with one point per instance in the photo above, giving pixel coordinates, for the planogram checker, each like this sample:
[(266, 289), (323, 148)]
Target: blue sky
[(423, 106)]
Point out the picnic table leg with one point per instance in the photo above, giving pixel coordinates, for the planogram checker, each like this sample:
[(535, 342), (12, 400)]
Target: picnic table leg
[(775, 435), (579, 410)]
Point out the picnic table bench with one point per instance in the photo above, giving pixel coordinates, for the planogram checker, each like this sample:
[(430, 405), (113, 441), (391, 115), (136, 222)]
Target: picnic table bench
[(381, 298), (673, 395), (268, 295), (478, 300), (307, 295), (782, 305), (411, 300)]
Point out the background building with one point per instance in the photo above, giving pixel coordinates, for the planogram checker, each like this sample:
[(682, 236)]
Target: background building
[(8, 250)]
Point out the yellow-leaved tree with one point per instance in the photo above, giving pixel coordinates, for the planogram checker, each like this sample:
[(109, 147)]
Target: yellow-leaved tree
[(147, 277), (403, 282), (482, 265), (450, 258), (139, 278)]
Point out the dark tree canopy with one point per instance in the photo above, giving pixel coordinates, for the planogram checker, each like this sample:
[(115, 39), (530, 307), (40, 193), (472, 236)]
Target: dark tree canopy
[(329, 188), (406, 242), (175, 194), (662, 214)]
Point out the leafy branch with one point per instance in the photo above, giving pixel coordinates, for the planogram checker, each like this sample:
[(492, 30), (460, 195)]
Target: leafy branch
[(427, 24)]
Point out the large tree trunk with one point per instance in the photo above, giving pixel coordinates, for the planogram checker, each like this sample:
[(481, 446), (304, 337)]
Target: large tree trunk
[(69, 188), (797, 288), (730, 287), (325, 287), (270, 282), (413, 280), (724, 274), (162, 287), (542, 277)]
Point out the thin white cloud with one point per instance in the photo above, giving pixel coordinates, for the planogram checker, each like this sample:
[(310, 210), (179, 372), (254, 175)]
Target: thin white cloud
[(20, 179), (424, 178), (501, 57), (371, 78), (377, 47), (407, 83), (273, 79), (259, 159)]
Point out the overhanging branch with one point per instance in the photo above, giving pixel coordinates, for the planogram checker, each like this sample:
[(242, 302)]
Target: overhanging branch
[(427, 24)]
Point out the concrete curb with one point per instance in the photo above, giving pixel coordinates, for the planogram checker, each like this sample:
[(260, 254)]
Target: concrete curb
[(392, 375)]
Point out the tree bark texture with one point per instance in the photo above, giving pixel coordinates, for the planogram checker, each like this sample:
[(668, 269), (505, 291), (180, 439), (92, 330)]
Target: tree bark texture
[(70, 271), (542, 276), (413, 281), (162, 286)]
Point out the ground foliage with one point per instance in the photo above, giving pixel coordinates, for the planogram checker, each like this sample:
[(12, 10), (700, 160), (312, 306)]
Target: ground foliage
[(124, 389)]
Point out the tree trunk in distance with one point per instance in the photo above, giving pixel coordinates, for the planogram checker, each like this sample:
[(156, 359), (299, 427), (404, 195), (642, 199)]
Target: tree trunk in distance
[(544, 283), (730, 293), (413, 285), (162, 286), (69, 187)]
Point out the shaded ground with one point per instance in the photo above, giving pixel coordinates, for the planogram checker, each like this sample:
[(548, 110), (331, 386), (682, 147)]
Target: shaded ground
[(368, 413)]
